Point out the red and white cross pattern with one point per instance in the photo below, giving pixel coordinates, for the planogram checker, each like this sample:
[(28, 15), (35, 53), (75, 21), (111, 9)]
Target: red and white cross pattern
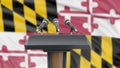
[(13, 54), (92, 17)]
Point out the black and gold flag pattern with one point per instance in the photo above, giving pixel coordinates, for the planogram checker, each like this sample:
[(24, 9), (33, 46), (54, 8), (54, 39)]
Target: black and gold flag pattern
[(26, 15), (104, 53)]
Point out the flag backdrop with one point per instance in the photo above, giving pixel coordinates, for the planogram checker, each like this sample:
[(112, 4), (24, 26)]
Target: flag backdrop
[(99, 20)]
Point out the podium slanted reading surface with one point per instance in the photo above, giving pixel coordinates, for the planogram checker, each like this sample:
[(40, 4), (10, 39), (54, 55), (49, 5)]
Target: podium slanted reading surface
[(57, 46)]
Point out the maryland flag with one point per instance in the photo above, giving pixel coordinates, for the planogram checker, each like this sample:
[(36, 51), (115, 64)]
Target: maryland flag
[(98, 20)]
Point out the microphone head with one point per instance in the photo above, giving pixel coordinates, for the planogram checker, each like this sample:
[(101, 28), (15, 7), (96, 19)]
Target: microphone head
[(56, 22), (67, 21), (45, 21), (43, 24)]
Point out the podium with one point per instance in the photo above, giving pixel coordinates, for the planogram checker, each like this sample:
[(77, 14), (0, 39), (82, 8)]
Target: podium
[(57, 46)]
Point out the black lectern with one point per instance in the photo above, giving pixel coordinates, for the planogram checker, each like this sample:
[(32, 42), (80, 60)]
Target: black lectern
[(57, 46)]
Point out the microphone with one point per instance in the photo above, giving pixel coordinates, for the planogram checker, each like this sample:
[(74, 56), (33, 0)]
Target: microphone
[(43, 24), (68, 23), (55, 21)]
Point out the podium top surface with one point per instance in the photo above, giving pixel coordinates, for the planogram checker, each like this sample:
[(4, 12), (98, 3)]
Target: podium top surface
[(57, 42)]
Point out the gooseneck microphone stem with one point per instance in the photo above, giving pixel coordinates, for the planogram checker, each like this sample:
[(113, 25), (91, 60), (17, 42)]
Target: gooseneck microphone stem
[(72, 28), (56, 23), (43, 24)]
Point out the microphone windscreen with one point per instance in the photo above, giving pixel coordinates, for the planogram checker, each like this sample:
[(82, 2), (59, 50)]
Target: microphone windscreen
[(55, 21), (66, 21), (45, 21)]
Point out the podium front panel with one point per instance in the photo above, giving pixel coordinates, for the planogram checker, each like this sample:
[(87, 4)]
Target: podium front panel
[(57, 42)]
